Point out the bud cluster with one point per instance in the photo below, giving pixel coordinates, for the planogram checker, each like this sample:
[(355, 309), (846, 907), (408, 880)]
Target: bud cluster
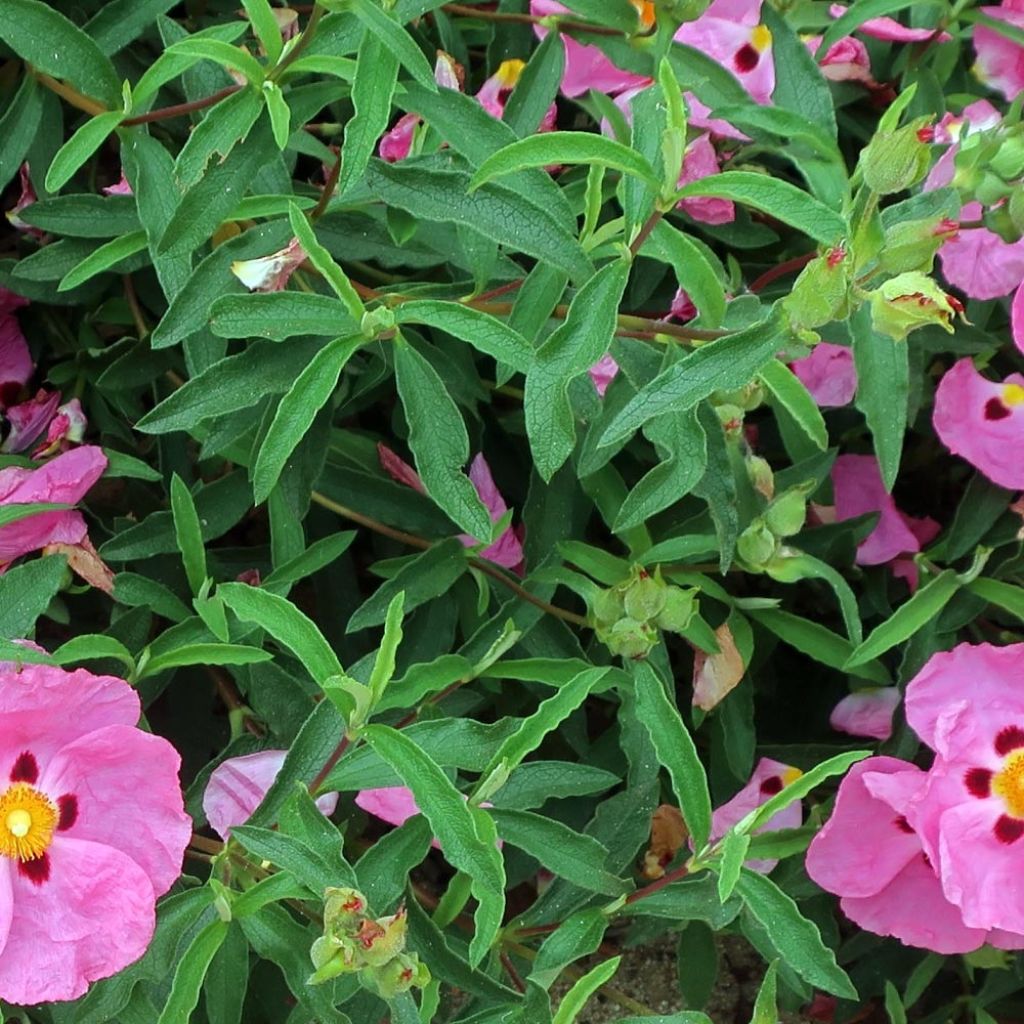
[(761, 542)]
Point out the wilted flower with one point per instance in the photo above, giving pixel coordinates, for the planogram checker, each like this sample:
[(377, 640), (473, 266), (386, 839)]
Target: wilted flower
[(846, 60), (828, 374), (716, 675), (92, 830), (867, 712), (982, 421), (270, 273), (67, 427), (27, 420), (238, 785), (26, 198), (909, 301)]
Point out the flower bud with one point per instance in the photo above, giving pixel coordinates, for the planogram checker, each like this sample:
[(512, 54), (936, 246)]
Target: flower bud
[(821, 292), (1000, 220), (1008, 159), (628, 638), (760, 475), (991, 189), (893, 161), (680, 607), (912, 245), (382, 940), (608, 606), (343, 909), (396, 976), (756, 544), (909, 301), (644, 598), (786, 514)]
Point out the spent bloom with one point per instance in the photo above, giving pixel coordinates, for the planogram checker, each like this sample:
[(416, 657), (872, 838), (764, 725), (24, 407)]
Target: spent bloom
[(92, 831), (867, 712), (270, 273)]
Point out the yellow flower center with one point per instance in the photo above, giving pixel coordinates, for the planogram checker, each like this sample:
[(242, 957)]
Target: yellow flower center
[(27, 821), (761, 38), (645, 11), (1013, 394), (508, 73), (1008, 784), (790, 775)]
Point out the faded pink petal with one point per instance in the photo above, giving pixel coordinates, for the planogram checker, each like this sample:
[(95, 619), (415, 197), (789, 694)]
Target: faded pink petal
[(979, 262), (507, 549), (393, 804), (890, 30), (122, 188), (602, 373), (982, 421), (715, 676), (769, 777), (1000, 63), (398, 469), (16, 365), (701, 161), (66, 427), (28, 420), (64, 480), (396, 144), (828, 374), (846, 60), (238, 785), (26, 198), (867, 712), (270, 273), (858, 486)]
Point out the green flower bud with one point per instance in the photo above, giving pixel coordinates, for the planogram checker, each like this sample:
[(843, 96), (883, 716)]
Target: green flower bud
[(893, 161), (397, 976), (748, 398), (731, 418), (821, 293), (382, 940), (912, 245), (991, 189), (628, 638), (331, 959), (680, 607), (1000, 219), (756, 544), (343, 910), (909, 301), (1008, 159), (644, 598), (786, 514), (1016, 208), (760, 475), (608, 606)]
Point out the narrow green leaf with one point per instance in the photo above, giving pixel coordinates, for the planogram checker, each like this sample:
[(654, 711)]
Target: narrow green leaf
[(277, 316), (235, 58), (94, 645), (734, 851), (216, 135), (188, 533), (119, 22), (1008, 596), (204, 654), (227, 979), (789, 391), (676, 751), (894, 1008), (190, 972), (855, 15), (80, 147), (18, 126), (396, 39), (264, 24), (384, 661), (765, 1007), (693, 271), (324, 263), (103, 258), (576, 998)]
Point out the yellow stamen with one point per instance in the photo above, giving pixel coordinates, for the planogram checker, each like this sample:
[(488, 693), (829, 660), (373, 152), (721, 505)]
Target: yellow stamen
[(508, 73), (1008, 784), (761, 38), (790, 775), (645, 11), (1013, 394), (27, 821)]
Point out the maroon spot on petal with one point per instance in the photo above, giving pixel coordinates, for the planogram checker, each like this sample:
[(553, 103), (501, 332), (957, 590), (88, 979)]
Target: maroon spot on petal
[(25, 768), (995, 410), (903, 825), (1008, 830), (746, 59), (36, 871), (67, 805), (1010, 738), (978, 782), (771, 786)]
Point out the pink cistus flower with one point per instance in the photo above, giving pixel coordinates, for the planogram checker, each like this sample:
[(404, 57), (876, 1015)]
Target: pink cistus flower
[(602, 373), (16, 366), (869, 854), (238, 785), (828, 374), (982, 421), (867, 712), (769, 777), (1000, 63), (92, 831), (967, 704), (891, 31), (393, 804)]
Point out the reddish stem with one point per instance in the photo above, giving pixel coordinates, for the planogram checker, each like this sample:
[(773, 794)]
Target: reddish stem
[(650, 890), (789, 267), (181, 109)]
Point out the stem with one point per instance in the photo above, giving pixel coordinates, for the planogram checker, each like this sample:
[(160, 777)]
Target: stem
[(71, 96), (650, 890), (645, 232), (181, 109), (133, 304), (304, 40), (329, 765), (513, 974), (789, 267), (461, 10), (325, 197), (213, 846)]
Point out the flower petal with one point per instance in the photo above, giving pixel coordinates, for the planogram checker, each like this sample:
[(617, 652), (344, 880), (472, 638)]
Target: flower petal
[(828, 374), (867, 712)]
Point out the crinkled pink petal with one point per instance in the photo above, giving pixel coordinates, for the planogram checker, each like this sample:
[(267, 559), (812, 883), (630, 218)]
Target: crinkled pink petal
[(602, 373), (393, 804), (979, 262), (828, 374), (867, 712), (768, 778), (29, 419), (121, 774), (238, 785), (43, 709), (891, 31), (974, 420), (398, 469), (506, 550), (396, 144), (701, 161), (1000, 63), (92, 917), (858, 486), (16, 365)]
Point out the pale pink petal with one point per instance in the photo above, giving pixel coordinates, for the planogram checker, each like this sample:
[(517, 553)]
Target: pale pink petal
[(867, 712), (1000, 63), (890, 30), (701, 161), (89, 919), (866, 843), (846, 60), (979, 262), (828, 374), (238, 785), (602, 373), (398, 469), (29, 419), (270, 273), (982, 421), (393, 804), (700, 117), (1017, 317), (121, 774), (122, 188), (6, 902), (396, 144), (741, 47), (682, 307), (16, 365)]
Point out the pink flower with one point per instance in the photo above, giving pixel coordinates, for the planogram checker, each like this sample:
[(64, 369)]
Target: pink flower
[(494, 93), (92, 831), (1017, 317), (682, 306), (16, 366), (1000, 63), (9, 302), (858, 486), (979, 262), (867, 712), (67, 427), (967, 704), (122, 188), (701, 161), (238, 785), (828, 374), (393, 804), (982, 421), (507, 550), (871, 856), (396, 144), (270, 273), (63, 480), (891, 31), (602, 373), (769, 777), (846, 60), (29, 419)]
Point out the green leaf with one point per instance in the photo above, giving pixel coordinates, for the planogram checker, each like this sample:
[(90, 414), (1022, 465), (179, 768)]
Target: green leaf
[(915, 614), (317, 556), (773, 196), (894, 1008), (297, 410), (725, 365), (294, 856), (56, 46), (697, 964), (693, 271), (789, 391), (484, 332), (577, 858), (90, 646), (734, 852), (26, 591), (676, 751), (264, 24), (855, 15), (204, 654), (613, 13), (384, 661), (216, 135), (189, 534), (576, 998), (537, 87), (119, 22), (277, 316), (577, 936), (765, 1008), (1008, 596), (396, 39), (796, 939), (80, 147), (19, 125), (466, 845), (549, 148), (227, 979), (883, 386), (103, 258), (439, 442), (286, 624), (235, 58), (190, 972), (324, 263), (570, 350)]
